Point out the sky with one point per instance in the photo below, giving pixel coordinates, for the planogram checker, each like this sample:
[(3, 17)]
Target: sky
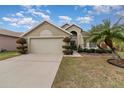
[(21, 18)]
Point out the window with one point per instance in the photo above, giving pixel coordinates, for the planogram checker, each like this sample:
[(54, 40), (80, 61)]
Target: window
[(92, 45)]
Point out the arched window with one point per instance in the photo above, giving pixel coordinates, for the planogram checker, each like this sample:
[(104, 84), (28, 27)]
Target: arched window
[(46, 33), (74, 33)]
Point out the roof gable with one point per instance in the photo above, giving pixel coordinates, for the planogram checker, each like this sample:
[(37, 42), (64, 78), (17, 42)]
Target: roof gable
[(65, 25), (40, 24), (75, 26)]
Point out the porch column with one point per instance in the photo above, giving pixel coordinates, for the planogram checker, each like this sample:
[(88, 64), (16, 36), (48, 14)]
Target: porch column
[(88, 45)]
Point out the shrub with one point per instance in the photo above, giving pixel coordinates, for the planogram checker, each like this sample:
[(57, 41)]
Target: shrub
[(80, 49), (3, 50), (22, 45), (67, 52), (21, 41), (96, 50), (84, 50), (99, 51), (66, 47)]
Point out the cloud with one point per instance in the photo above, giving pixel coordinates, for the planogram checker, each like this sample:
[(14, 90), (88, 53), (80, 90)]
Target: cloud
[(86, 19), (117, 7), (106, 9), (79, 6), (22, 19), (36, 11), (27, 6), (48, 11), (120, 13), (9, 19), (19, 14), (27, 21), (39, 13), (102, 9), (65, 19), (46, 17)]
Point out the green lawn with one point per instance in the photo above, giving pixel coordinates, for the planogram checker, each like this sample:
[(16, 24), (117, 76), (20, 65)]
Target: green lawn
[(88, 71), (9, 54)]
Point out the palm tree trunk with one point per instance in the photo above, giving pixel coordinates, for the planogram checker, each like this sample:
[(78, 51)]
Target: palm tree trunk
[(109, 42), (116, 55)]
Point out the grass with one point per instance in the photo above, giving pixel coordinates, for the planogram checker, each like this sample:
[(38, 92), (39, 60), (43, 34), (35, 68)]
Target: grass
[(88, 71), (8, 54)]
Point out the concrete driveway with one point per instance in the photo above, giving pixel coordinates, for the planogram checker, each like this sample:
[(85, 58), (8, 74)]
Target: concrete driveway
[(29, 71)]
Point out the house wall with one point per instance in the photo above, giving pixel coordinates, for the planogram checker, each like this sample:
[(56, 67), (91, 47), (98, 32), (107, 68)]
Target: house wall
[(8, 42), (79, 35), (45, 26)]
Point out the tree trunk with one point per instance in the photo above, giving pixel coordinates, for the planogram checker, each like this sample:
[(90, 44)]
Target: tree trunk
[(116, 54), (110, 44)]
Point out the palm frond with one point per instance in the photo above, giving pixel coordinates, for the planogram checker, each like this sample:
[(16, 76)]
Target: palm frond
[(106, 23), (94, 38), (118, 36)]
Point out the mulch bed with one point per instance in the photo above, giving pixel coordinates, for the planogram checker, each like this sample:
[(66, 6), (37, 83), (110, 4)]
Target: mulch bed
[(96, 54), (116, 62)]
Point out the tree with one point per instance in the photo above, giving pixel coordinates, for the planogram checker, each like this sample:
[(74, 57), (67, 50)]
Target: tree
[(22, 45), (107, 33)]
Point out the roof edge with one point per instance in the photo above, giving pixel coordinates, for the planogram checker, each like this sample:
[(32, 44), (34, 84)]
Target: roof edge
[(41, 24), (74, 25)]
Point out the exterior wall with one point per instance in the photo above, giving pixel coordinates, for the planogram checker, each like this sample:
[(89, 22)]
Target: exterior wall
[(7, 42), (45, 26), (80, 40)]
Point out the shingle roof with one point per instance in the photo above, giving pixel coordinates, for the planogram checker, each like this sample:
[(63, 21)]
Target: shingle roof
[(9, 33)]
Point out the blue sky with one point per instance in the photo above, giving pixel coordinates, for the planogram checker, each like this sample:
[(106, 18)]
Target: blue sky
[(21, 18)]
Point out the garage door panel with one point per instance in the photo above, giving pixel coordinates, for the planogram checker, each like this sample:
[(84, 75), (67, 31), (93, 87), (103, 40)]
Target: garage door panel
[(46, 46)]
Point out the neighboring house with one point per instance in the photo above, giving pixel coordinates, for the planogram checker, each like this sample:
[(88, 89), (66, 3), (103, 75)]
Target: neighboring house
[(8, 39), (47, 38)]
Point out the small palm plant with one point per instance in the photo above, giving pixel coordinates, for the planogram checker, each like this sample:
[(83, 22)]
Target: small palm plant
[(107, 33)]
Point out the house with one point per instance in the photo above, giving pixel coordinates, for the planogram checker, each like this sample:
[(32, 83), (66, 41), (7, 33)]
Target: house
[(8, 39), (47, 38)]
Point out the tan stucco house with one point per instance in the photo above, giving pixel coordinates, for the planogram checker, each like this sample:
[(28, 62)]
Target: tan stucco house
[(47, 38), (8, 39)]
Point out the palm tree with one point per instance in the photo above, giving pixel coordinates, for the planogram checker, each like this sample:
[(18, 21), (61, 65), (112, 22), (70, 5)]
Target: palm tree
[(107, 33)]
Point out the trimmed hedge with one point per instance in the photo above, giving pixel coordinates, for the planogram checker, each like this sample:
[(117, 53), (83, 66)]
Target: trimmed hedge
[(67, 52), (66, 46), (21, 45), (94, 50)]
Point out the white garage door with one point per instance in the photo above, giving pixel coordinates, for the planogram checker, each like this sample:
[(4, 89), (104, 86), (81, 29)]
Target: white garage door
[(46, 46)]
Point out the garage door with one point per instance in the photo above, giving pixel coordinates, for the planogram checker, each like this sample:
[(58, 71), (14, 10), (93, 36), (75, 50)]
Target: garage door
[(46, 46)]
